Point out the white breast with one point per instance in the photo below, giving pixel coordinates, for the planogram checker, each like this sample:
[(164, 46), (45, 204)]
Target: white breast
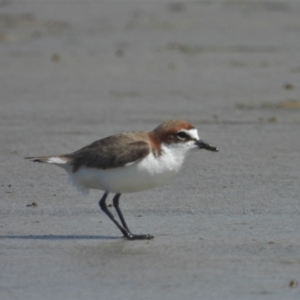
[(141, 175)]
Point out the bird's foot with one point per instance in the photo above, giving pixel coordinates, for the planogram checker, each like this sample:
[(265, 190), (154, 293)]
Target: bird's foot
[(132, 237)]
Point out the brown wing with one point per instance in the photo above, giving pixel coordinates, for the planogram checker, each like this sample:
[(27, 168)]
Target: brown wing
[(111, 152)]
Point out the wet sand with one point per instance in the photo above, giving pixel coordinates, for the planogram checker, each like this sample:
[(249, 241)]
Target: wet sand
[(227, 227)]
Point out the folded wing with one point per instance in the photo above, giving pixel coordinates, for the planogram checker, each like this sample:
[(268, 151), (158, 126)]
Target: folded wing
[(111, 152)]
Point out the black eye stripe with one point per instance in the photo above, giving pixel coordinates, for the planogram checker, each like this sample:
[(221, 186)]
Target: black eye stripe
[(182, 135)]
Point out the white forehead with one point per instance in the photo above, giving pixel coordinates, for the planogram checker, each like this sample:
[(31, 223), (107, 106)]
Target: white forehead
[(193, 133)]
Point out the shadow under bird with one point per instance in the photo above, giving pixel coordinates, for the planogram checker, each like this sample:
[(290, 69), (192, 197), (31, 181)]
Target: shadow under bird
[(129, 162)]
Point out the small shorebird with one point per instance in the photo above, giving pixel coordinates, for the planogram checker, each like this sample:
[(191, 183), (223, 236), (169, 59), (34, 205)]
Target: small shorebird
[(129, 162)]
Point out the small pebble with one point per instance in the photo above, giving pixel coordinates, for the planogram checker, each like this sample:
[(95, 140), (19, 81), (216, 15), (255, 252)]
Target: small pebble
[(272, 120), (55, 57), (32, 204), (293, 283)]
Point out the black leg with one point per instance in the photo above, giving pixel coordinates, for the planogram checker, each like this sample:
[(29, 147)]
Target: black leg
[(103, 206), (119, 212), (116, 206), (125, 231)]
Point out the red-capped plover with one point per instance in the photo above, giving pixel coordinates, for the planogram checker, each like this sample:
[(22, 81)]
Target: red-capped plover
[(129, 162)]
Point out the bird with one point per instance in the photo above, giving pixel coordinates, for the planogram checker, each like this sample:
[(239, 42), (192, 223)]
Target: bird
[(129, 162)]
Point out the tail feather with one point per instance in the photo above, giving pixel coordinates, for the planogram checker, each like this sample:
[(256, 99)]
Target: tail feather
[(48, 159), (41, 159)]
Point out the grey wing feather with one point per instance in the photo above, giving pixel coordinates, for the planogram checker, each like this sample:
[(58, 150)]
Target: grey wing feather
[(110, 152)]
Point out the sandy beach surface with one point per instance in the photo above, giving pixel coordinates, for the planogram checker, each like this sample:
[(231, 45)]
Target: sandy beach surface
[(227, 227)]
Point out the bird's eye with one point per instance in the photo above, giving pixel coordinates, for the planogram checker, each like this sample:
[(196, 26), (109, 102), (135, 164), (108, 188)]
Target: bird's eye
[(181, 135)]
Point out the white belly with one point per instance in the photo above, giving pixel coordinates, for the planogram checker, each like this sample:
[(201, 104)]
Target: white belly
[(141, 175)]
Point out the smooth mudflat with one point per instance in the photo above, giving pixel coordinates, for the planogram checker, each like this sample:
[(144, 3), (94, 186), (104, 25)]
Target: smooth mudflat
[(227, 227)]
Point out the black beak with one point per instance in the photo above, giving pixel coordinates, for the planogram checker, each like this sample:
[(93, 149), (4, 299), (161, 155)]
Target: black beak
[(206, 146)]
